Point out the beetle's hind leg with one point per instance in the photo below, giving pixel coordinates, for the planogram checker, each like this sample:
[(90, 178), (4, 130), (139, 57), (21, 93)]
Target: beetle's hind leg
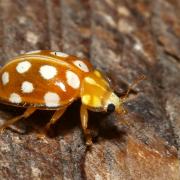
[(26, 114)]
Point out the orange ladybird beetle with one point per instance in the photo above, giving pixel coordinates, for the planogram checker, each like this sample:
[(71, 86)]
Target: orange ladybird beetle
[(49, 80)]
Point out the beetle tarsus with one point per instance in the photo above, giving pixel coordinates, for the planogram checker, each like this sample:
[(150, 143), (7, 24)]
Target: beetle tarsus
[(88, 137)]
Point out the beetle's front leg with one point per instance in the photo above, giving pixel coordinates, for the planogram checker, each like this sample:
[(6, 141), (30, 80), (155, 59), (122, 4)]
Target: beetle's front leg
[(84, 123)]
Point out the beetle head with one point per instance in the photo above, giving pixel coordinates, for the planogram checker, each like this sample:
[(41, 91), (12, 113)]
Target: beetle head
[(97, 95)]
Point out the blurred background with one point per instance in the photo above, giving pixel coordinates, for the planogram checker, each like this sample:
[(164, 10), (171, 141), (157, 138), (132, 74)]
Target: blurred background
[(124, 39)]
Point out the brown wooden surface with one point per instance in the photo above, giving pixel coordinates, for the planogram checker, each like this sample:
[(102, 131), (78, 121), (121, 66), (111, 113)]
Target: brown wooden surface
[(124, 38)]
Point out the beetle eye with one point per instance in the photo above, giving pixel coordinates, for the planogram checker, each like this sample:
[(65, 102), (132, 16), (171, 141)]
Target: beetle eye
[(110, 108)]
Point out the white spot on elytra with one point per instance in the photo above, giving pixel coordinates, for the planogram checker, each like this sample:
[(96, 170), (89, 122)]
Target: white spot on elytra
[(48, 72), (72, 79), (33, 52), (5, 78), (23, 67), (60, 54), (81, 65), (51, 99), (27, 87), (61, 85), (15, 98)]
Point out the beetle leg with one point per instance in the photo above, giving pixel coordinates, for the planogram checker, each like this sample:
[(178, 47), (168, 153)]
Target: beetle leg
[(16, 129), (54, 118), (26, 114), (52, 121), (84, 123)]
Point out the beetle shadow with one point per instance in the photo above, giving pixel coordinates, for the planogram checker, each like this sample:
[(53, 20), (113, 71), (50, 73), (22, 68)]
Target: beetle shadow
[(101, 125), (105, 127)]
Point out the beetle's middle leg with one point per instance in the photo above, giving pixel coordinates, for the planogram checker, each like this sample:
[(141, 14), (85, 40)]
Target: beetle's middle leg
[(56, 116), (26, 114)]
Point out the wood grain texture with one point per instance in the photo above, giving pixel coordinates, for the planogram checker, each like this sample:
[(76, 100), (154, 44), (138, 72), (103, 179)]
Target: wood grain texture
[(124, 39)]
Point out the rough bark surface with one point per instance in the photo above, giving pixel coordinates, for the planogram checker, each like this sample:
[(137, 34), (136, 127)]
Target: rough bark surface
[(123, 38)]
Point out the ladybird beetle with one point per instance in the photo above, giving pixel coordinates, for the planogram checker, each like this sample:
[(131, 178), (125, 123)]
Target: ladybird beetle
[(51, 80)]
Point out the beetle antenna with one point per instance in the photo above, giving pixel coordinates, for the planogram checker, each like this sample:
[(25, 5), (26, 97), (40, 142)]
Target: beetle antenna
[(140, 78)]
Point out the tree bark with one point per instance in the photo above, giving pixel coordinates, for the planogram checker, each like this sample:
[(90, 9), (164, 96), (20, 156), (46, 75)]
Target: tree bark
[(124, 39)]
